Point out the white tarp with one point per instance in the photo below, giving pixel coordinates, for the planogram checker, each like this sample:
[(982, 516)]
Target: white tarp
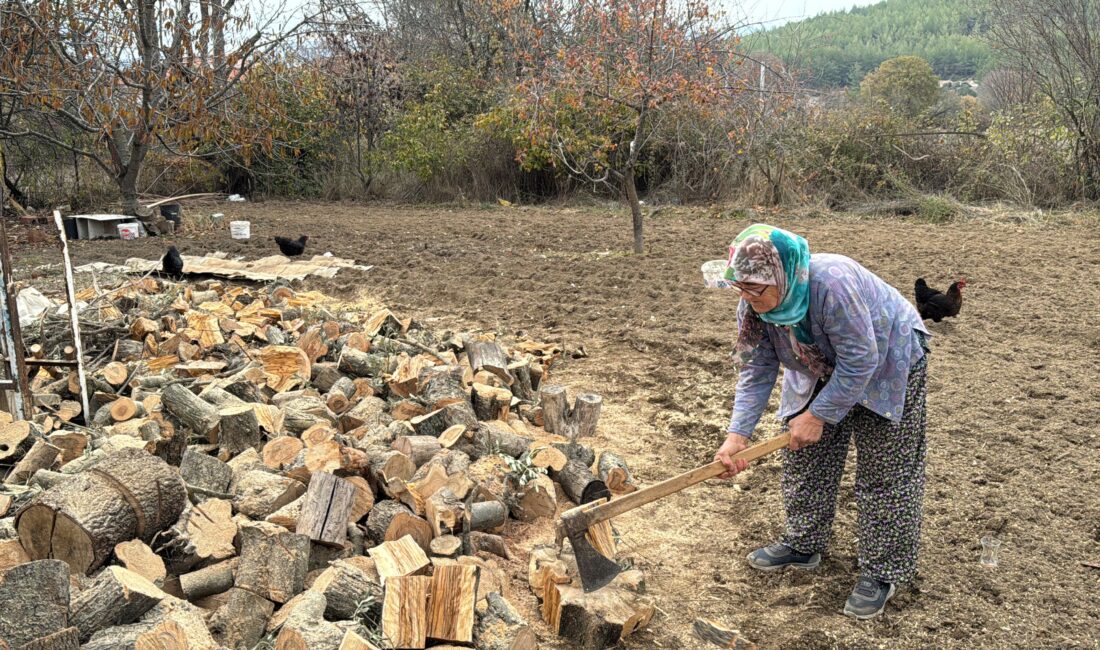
[(265, 269)]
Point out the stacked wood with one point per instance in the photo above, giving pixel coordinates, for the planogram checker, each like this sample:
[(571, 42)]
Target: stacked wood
[(256, 466)]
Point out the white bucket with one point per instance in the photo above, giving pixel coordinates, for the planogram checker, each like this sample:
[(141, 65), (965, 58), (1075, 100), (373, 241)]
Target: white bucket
[(714, 274), (131, 230), (240, 229)]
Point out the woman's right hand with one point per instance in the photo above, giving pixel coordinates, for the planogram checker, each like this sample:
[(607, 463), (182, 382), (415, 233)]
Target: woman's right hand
[(734, 443)]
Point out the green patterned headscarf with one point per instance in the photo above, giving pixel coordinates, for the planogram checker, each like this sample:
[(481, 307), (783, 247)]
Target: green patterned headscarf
[(764, 254)]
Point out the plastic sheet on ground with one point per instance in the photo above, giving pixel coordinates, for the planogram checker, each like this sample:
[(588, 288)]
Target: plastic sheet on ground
[(265, 269)]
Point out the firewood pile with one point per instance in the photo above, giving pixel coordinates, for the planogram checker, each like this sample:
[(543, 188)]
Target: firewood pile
[(261, 467)]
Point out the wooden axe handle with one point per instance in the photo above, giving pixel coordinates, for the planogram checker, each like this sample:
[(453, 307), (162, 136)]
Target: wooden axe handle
[(616, 507)]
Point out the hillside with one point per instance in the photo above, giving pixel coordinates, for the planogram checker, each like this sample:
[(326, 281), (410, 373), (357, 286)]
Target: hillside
[(838, 48)]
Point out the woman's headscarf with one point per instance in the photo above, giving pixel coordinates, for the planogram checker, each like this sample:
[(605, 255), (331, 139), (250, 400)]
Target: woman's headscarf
[(764, 254)]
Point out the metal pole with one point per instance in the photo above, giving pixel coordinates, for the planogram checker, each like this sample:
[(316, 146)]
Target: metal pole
[(74, 318)]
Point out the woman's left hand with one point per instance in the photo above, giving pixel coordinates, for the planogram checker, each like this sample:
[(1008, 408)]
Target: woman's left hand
[(805, 430)]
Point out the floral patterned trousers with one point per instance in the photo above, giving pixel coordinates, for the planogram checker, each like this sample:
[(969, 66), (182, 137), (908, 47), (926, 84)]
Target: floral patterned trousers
[(889, 485)]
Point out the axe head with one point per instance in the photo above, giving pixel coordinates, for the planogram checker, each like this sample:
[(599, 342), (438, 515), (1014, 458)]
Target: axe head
[(595, 569)]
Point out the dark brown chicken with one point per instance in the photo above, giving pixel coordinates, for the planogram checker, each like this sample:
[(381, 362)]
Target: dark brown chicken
[(172, 264), (292, 247), (938, 305)]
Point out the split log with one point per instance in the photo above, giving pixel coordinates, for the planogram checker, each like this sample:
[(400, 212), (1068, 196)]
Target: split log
[(281, 452), (69, 409), (441, 386), (204, 533), (579, 484), (405, 611), (488, 543), (205, 472), (239, 429), (171, 635), (324, 376), (446, 546), (445, 512), (261, 493), (117, 597), (614, 472), (522, 387), (363, 500), (353, 641), (391, 520), (284, 366), (273, 561), (402, 557), (35, 598), (535, 499), (547, 456), (491, 403), (127, 495), (287, 516), (369, 412), (390, 465), (451, 603), (42, 455), (487, 515), (210, 580), (419, 449), (603, 617), (487, 355), (306, 629), (317, 434), (12, 555), (500, 627), (712, 632), (66, 639), (136, 556), (451, 435), (16, 438), (326, 509), (345, 584), (241, 621), (72, 445), (198, 415)]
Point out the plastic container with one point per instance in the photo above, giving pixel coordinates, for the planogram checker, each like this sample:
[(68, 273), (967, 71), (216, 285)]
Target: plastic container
[(240, 229), (713, 272), (171, 212), (991, 547), (130, 230)]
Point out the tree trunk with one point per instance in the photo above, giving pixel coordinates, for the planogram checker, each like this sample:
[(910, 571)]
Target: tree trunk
[(631, 193)]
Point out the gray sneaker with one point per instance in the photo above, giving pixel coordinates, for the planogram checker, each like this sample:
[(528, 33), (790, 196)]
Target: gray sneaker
[(869, 598), (779, 556)]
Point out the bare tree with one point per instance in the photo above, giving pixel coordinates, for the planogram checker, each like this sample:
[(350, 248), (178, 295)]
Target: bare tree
[(1056, 42)]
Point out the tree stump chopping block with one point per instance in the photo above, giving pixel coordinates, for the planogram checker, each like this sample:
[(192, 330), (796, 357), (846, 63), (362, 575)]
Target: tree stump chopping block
[(35, 601), (127, 495), (326, 509), (273, 561)]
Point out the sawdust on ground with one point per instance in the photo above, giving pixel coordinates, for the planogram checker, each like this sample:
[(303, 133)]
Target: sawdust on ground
[(1012, 401)]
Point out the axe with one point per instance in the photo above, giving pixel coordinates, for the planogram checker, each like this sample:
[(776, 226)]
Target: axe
[(595, 569)]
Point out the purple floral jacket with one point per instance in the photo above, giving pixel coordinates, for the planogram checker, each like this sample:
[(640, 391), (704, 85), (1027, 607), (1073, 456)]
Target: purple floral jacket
[(868, 333)]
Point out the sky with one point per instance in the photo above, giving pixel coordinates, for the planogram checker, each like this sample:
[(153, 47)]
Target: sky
[(772, 13)]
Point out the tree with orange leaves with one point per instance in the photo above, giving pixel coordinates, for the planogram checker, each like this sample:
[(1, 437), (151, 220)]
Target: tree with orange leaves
[(604, 74)]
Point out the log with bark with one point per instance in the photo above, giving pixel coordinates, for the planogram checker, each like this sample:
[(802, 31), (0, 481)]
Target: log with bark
[(346, 584), (200, 470), (241, 621), (239, 429), (198, 415), (127, 495), (273, 561), (579, 484), (260, 493), (209, 580), (35, 601), (614, 472), (485, 353), (391, 520), (204, 533), (42, 455), (326, 509), (16, 438), (306, 629), (117, 597)]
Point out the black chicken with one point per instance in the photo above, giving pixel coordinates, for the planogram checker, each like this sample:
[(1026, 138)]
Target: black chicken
[(172, 264), (938, 305), (291, 247)]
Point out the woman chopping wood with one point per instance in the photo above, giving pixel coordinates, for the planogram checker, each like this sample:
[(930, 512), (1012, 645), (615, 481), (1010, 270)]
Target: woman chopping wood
[(854, 358)]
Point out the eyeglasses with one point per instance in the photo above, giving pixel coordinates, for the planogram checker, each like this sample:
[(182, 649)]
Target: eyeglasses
[(755, 291)]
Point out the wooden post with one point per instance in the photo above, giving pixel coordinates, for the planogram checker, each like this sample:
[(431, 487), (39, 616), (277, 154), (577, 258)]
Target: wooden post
[(74, 318)]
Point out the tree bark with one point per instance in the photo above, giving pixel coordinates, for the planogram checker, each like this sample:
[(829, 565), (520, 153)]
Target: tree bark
[(35, 599)]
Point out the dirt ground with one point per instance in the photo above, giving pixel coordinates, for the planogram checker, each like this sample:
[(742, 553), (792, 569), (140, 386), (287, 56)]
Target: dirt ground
[(1013, 400)]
